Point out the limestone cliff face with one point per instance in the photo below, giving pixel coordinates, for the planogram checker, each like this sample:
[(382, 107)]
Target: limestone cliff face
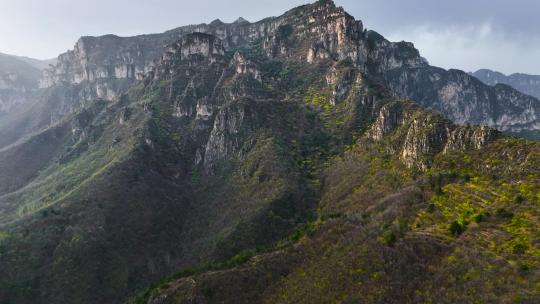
[(231, 126), (385, 56), (309, 34), (112, 57), (464, 99), (222, 146), (417, 135), (106, 57), (103, 64), (212, 91)]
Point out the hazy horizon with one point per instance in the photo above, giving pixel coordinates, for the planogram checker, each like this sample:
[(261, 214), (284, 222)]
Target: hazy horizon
[(495, 34)]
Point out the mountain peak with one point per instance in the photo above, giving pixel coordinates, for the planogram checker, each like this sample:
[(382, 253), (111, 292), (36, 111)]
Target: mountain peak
[(216, 22), (329, 3), (241, 20)]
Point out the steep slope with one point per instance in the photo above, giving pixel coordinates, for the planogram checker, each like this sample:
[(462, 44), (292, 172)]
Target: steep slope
[(230, 142), (156, 171), (528, 84), (204, 153), (461, 232), (465, 99), (21, 112)]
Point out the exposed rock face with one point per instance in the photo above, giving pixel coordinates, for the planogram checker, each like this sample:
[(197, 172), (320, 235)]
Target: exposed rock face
[(309, 33), (99, 58), (102, 64), (464, 99), (213, 91), (464, 138), (231, 123), (243, 66), (418, 135), (385, 56), (195, 46), (223, 146), (525, 83)]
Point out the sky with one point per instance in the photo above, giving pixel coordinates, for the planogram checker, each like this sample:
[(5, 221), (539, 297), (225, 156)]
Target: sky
[(503, 35)]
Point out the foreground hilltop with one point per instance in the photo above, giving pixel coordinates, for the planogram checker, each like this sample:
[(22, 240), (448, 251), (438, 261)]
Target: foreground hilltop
[(266, 162)]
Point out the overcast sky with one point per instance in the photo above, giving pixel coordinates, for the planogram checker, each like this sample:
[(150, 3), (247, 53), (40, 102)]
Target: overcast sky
[(467, 34)]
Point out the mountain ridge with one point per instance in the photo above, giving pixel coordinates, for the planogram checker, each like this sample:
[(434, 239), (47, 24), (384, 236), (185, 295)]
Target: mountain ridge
[(18, 81), (278, 143), (522, 82), (403, 63)]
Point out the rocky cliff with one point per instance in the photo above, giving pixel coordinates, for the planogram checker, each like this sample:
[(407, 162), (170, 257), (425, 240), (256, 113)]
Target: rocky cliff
[(417, 135), (309, 33), (259, 162), (464, 99)]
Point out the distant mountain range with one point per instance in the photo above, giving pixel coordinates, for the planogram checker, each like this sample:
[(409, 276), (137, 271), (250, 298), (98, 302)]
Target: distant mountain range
[(525, 83), (39, 64)]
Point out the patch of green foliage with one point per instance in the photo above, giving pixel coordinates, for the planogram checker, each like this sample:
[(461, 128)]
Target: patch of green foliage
[(285, 31)]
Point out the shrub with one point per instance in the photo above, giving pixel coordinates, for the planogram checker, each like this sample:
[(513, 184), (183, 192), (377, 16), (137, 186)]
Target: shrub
[(389, 237), (456, 228), (519, 249), (285, 31), (479, 217), (503, 213)]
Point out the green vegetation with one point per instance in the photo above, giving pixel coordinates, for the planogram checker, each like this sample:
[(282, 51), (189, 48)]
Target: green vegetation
[(281, 194), (466, 213), (285, 31)]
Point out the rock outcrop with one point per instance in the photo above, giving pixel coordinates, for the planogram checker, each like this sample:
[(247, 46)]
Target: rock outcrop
[(209, 144), (417, 135), (464, 99), (310, 33)]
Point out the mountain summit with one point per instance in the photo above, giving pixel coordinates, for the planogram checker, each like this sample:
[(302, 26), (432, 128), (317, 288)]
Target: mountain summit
[(290, 160)]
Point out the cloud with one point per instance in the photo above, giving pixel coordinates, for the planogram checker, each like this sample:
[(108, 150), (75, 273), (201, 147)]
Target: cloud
[(464, 34), (471, 47)]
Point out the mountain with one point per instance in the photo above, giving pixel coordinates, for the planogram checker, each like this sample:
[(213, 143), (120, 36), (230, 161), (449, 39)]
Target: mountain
[(41, 64), (109, 62), (276, 161), (528, 84), (18, 81), (19, 88)]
